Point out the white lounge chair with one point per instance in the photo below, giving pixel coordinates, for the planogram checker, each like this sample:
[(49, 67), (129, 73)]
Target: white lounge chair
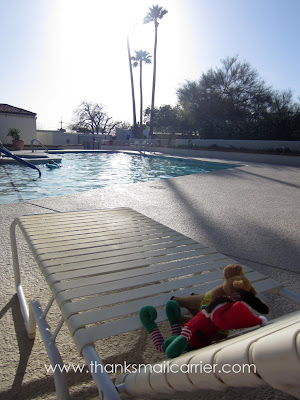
[(104, 265)]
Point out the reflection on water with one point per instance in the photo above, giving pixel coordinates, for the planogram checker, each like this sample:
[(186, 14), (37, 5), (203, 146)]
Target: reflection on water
[(87, 171)]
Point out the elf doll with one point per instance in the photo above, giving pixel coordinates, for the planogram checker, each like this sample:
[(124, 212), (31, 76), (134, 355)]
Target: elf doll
[(224, 313)]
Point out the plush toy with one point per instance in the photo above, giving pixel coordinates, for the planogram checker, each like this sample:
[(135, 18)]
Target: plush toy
[(235, 282), (222, 314)]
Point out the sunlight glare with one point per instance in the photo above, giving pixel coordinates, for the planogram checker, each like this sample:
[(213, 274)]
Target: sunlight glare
[(102, 22), (86, 54)]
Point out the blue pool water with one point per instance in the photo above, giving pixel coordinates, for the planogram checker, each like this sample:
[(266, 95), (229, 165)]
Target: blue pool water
[(87, 171)]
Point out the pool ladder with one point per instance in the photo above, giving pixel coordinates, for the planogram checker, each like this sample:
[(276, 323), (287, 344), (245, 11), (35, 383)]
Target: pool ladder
[(146, 146), (40, 143)]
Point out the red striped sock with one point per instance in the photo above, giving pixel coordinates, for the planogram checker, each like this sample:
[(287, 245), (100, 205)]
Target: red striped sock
[(176, 330), (186, 332), (157, 339)]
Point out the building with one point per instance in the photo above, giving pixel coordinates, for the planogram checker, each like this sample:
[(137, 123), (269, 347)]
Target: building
[(14, 117)]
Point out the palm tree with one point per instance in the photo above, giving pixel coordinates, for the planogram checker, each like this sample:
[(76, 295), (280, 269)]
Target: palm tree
[(154, 13), (132, 89), (140, 57)]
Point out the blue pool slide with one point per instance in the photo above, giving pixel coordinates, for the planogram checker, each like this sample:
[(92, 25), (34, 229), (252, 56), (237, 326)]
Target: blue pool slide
[(8, 153)]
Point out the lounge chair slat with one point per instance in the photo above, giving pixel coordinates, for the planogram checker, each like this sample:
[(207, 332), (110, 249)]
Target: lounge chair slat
[(127, 283), (139, 293), (109, 245), (61, 258), (139, 267), (120, 233), (77, 321), (85, 227), (160, 299), (109, 219), (107, 248), (122, 236), (202, 263), (76, 262), (146, 291), (105, 215)]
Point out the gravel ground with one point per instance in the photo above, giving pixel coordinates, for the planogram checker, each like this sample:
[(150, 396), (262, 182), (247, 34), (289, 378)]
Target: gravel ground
[(250, 213)]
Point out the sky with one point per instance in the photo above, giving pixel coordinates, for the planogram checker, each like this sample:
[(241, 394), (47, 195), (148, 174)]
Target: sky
[(55, 54)]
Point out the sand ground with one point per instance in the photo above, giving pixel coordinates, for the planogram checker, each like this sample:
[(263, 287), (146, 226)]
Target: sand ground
[(250, 213)]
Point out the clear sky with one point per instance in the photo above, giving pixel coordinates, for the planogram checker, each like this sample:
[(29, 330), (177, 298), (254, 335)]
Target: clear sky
[(57, 53)]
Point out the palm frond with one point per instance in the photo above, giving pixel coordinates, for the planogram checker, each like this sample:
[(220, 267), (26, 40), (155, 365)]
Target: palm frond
[(147, 19), (141, 55), (162, 13), (154, 13)]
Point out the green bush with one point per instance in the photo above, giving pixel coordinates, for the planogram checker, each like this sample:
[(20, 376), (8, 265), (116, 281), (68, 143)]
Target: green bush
[(14, 133)]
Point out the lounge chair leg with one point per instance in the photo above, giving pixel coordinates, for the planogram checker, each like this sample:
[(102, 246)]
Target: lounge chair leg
[(107, 390), (28, 317), (60, 378)]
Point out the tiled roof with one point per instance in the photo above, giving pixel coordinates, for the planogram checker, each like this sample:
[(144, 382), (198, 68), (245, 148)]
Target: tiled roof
[(7, 109)]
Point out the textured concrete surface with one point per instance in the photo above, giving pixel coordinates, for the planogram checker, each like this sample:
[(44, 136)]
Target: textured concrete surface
[(250, 213)]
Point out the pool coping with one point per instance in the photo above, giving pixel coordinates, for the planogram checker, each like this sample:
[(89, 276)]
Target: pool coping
[(51, 155), (28, 156), (206, 155)]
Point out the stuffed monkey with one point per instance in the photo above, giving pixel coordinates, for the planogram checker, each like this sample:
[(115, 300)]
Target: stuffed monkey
[(235, 282)]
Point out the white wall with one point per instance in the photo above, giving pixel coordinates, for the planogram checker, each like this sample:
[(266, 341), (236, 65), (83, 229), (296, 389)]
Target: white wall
[(26, 124), (242, 144), (49, 138), (53, 138), (61, 138)]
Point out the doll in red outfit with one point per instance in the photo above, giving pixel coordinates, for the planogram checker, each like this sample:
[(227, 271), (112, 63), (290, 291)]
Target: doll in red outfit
[(224, 313)]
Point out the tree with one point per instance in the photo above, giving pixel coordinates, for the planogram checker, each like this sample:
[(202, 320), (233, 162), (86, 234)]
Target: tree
[(92, 118), (283, 120), (140, 57), (154, 14), (226, 102), (283, 102), (132, 89), (170, 120), (166, 118)]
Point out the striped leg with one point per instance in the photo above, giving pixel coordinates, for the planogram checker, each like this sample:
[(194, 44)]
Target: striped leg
[(173, 314), (148, 315), (157, 339)]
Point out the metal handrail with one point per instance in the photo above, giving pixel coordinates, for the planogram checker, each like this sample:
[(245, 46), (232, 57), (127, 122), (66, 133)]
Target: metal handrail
[(149, 146), (1, 145), (40, 143), (28, 164), (98, 144)]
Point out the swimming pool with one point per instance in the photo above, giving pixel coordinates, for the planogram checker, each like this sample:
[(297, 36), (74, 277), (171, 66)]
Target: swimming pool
[(87, 171)]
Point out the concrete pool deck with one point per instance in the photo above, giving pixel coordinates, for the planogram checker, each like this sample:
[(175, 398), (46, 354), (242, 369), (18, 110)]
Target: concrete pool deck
[(250, 213)]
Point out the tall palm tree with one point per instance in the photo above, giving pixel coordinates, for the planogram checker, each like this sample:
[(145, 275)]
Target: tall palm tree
[(140, 57), (132, 89), (154, 14)]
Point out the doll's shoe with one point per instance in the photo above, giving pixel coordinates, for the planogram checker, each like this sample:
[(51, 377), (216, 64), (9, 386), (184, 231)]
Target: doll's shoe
[(148, 315), (173, 312), (175, 347), (167, 342)]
